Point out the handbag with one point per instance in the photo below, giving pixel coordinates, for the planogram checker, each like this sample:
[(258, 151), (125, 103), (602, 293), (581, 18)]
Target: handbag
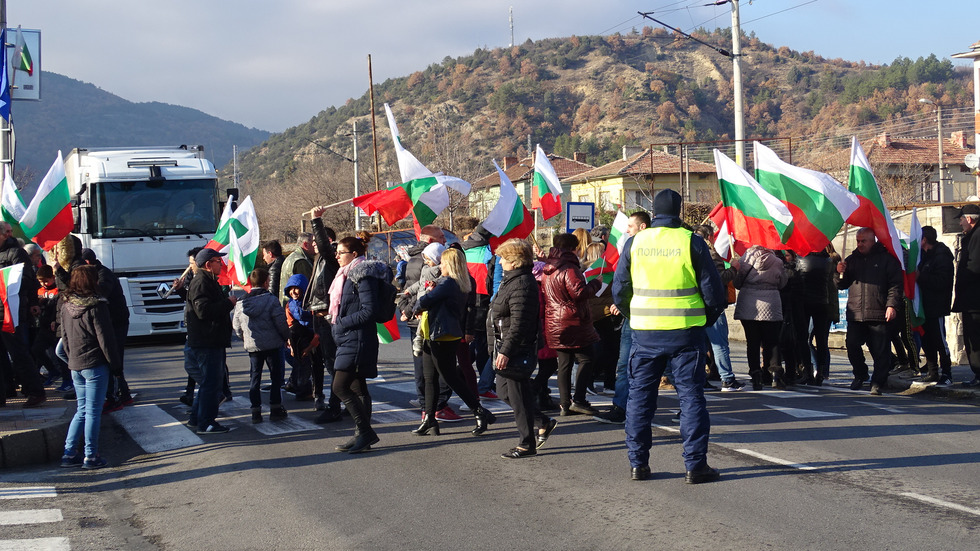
[(519, 367)]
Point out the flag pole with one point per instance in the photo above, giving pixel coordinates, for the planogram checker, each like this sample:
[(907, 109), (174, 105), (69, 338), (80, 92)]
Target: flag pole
[(374, 136), (843, 251)]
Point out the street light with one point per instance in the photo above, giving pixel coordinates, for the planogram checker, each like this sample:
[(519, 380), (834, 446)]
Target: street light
[(939, 123)]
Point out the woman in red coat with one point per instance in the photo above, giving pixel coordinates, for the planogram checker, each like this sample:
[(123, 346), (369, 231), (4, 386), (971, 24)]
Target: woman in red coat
[(568, 322)]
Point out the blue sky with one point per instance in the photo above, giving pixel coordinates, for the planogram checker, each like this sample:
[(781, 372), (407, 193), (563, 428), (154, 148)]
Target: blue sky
[(273, 65)]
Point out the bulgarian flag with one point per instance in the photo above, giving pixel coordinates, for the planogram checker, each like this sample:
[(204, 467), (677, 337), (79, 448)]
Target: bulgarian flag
[(546, 188), (10, 278), (477, 261), (605, 266), (243, 234), (388, 332), (47, 219), (22, 56), (872, 213), (509, 218), (747, 213), (12, 206), (423, 193), (913, 247), (222, 240), (819, 204)]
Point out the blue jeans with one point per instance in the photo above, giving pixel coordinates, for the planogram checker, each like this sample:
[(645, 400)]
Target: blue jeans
[(647, 365), (206, 365), (90, 389), (277, 370), (718, 337), (622, 366)]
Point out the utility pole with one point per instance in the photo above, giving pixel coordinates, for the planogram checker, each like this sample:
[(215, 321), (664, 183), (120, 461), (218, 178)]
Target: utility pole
[(737, 84), (939, 137), (357, 187), (512, 26)]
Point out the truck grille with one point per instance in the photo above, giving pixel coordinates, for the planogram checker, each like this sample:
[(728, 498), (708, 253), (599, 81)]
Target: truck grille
[(146, 300)]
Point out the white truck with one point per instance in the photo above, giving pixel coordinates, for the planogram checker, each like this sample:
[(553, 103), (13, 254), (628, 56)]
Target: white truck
[(140, 209)]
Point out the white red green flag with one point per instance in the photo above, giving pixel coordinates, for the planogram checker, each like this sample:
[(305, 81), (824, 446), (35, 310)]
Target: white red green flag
[(509, 218), (605, 266), (749, 214), (546, 187), (10, 278), (913, 248), (243, 241), (48, 219), (221, 242), (12, 206), (422, 193), (872, 213), (22, 56), (388, 332), (818, 203)]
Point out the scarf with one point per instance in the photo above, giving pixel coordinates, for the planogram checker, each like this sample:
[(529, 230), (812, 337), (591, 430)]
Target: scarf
[(337, 288)]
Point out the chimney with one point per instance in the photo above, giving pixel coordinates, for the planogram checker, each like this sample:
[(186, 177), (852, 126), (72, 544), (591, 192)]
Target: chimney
[(509, 162), (883, 139), (630, 150), (958, 139), (579, 157)]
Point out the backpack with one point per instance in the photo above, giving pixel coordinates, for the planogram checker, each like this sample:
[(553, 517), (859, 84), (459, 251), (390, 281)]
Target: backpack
[(386, 298)]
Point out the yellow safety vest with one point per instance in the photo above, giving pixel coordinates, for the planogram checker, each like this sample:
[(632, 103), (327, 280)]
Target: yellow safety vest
[(665, 286)]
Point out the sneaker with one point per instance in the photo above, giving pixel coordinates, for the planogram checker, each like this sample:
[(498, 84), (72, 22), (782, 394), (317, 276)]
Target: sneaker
[(489, 395), (68, 461), (584, 408), (875, 389), (591, 391), (187, 399), (974, 383), (665, 384), (931, 378), (213, 428), (615, 416), (447, 414), (65, 387), (110, 406), (94, 463), (856, 384), (543, 436), (34, 401), (732, 386), (944, 381), (417, 404)]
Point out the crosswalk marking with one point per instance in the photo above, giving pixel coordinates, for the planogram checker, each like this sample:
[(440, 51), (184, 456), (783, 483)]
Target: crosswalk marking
[(783, 394), (776, 460), (39, 544), (27, 492), (391, 413), (804, 413), (889, 409), (241, 408), (154, 429), (30, 516)]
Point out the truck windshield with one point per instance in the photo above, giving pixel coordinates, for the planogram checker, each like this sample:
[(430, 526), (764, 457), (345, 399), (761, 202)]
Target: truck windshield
[(142, 208)]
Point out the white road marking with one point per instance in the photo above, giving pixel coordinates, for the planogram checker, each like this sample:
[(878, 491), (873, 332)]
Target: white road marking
[(27, 492), (776, 460), (384, 412), (941, 503), (784, 394), (30, 516), (154, 429), (240, 408), (665, 427), (881, 407), (804, 413), (39, 544)]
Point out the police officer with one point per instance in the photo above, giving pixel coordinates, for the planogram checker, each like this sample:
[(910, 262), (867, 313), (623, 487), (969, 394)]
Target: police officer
[(668, 287)]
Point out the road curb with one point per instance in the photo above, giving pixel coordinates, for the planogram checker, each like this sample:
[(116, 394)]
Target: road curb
[(35, 446)]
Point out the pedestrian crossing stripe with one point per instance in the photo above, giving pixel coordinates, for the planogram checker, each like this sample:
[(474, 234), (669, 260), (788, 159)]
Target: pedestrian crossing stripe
[(804, 413), (30, 516), (38, 544), (155, 430), (241, 408), (27, 492)]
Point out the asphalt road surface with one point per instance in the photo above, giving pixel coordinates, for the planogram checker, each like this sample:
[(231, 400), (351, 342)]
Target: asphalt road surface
[(808, 468)]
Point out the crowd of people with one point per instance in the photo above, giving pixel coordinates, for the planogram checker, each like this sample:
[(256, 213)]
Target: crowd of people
[(498, 324)]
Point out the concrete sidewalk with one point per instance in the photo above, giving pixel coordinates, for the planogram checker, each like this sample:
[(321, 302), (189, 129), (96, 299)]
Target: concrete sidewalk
[(36, 436)]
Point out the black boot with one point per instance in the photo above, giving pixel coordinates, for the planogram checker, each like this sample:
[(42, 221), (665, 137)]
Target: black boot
[(484, 418), (429, 423), (365, 436), (756, 377), (778, 378)]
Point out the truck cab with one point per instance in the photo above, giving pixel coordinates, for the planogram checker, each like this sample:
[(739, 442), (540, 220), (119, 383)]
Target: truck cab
[(140, 210)]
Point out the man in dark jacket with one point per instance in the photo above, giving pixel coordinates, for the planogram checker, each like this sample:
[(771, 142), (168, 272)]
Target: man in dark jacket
[(317, 301), (873, 278), (208, 335), (668, 287), (117, 394), (967, 286), (406, 302), (272, 255), (936, 293), (21, 362)]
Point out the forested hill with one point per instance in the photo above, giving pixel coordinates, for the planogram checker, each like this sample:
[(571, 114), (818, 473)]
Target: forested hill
[(73, 114), (595, 94)]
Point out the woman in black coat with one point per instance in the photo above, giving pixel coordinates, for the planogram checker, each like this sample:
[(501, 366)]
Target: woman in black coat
[(353, 303), (445, 307), (512, 328)]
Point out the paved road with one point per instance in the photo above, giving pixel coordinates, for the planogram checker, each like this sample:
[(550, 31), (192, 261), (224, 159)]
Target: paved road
[(810, 468)]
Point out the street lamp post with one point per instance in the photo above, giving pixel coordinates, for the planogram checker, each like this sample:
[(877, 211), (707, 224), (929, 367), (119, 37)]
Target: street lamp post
[(939, 137)]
